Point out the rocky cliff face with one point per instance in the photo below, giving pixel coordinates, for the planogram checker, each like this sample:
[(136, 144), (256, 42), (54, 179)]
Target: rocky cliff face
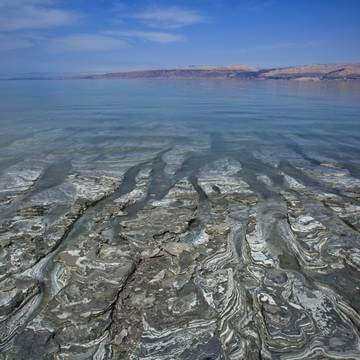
[(316, 72), (308, 72), (245, 72)]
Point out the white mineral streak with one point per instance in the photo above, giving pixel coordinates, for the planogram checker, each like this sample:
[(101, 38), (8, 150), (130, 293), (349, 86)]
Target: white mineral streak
[(18, 180), (183, 190), (140, 191), (265, 179), (202, 238), (255, 237), (93, 188), (292, 183)]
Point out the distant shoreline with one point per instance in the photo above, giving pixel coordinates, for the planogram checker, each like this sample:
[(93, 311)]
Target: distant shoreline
[(235, 72)]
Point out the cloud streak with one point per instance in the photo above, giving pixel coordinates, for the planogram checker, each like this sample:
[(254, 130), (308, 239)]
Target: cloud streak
[(20, 3), (20, 18), (32, 14), (88, 42), (169, 17), (152, 36)]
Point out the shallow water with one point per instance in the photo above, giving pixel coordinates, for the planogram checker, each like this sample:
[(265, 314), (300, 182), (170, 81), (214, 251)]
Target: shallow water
[(257, 183), (298, 115)]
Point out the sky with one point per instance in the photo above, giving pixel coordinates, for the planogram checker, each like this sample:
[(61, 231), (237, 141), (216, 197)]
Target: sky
[(72, 36)]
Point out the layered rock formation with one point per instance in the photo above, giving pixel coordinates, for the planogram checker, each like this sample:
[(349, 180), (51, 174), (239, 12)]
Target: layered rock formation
[(147, 247), (307, 72), (314, 72)]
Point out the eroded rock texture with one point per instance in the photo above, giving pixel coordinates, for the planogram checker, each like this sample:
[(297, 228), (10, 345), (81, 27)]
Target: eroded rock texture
[(131, 245)]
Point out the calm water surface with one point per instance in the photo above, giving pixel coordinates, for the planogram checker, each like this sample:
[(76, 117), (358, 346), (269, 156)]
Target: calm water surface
[(99, 121), (276, 106), (305, 116)]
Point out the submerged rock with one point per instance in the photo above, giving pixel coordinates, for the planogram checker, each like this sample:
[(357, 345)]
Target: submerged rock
[(158, 247)]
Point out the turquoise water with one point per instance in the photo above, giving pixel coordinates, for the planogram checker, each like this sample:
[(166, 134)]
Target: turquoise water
[(93, 121), (302, 115), (251, 105)]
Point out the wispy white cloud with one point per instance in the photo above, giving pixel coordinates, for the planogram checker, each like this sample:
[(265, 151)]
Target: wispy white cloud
[(108, 40), (88, 42), (169, 17), (153, 36), (18, 15), (19, 3), (20, 18)]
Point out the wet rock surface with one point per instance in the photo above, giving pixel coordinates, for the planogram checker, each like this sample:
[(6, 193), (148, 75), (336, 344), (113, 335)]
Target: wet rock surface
[(131, 245)]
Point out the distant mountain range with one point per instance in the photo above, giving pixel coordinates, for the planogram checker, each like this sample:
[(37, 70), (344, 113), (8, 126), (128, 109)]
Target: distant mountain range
[(305, 72)]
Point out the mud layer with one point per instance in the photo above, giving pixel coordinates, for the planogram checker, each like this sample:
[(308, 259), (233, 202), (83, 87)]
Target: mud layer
[(139, 243)]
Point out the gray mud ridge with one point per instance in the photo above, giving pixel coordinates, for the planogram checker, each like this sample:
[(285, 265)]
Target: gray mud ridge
[(155, 248)]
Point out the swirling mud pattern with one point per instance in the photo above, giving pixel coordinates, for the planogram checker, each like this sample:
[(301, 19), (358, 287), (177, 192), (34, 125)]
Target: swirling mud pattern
[(159, 237)]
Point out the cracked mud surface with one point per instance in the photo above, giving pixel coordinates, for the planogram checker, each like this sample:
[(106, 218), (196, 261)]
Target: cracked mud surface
[(138, 243)]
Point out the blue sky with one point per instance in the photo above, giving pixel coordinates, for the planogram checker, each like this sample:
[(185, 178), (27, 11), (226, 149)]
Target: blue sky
[(107, 35)]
